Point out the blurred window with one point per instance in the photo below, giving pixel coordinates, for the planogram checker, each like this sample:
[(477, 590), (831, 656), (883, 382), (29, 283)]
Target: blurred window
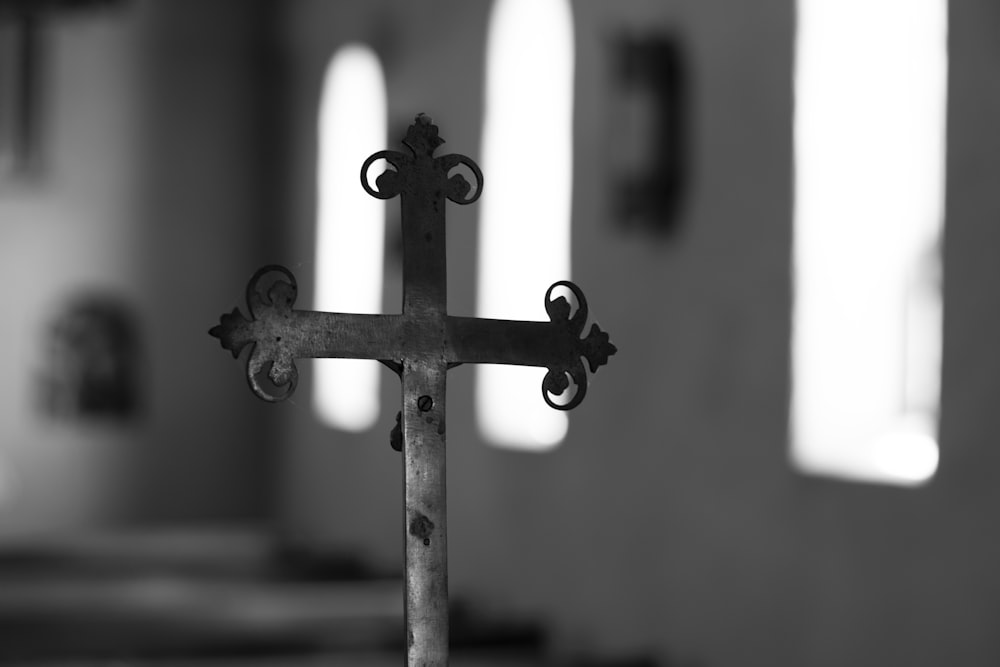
[(524, 233), (350, 228), (870, 93)]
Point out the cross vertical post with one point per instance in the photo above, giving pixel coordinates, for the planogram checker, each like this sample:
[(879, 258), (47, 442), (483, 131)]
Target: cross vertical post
[(424, 374), (420, 345)]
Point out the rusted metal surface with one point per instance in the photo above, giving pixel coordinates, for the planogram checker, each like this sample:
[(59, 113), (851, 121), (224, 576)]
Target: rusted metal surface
[(426, 516), (420, 344)]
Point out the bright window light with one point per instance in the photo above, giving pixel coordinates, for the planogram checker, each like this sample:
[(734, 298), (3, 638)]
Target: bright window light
[(524, 234), (350, 228), (870, 84)]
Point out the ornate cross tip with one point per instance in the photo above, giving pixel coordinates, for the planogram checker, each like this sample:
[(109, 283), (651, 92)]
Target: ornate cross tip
[(596, 347), (230, 332), (265, 331), (422, 136), (410, 173)]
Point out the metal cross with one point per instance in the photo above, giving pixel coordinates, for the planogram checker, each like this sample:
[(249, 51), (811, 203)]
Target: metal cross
[(420, 345)]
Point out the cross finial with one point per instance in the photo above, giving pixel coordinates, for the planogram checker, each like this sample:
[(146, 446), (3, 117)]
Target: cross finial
[(422, 137)]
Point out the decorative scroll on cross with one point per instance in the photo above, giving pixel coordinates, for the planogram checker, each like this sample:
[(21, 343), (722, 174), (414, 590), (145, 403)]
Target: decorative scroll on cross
[(420, 345)]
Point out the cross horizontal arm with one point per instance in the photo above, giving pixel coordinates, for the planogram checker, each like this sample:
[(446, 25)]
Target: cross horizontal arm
[(309, 334), (555, 345), (279, 334), (516, 343)]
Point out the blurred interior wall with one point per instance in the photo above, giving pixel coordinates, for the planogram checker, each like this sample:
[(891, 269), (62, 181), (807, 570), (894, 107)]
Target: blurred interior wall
[(147, 190)]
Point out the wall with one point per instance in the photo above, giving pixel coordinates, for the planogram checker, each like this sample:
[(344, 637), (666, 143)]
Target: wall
[(670, 519), (145, 190)]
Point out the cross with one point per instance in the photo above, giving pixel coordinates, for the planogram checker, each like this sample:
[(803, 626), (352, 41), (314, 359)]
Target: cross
[(420, 345)]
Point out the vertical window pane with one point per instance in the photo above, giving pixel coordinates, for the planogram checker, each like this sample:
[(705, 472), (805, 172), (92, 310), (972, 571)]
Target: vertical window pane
[(524, 237), (870, 87), (350, 228)]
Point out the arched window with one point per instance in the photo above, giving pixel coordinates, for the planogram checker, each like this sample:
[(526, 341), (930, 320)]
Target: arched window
[(524, 234), (350, 228), (870, 86)]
